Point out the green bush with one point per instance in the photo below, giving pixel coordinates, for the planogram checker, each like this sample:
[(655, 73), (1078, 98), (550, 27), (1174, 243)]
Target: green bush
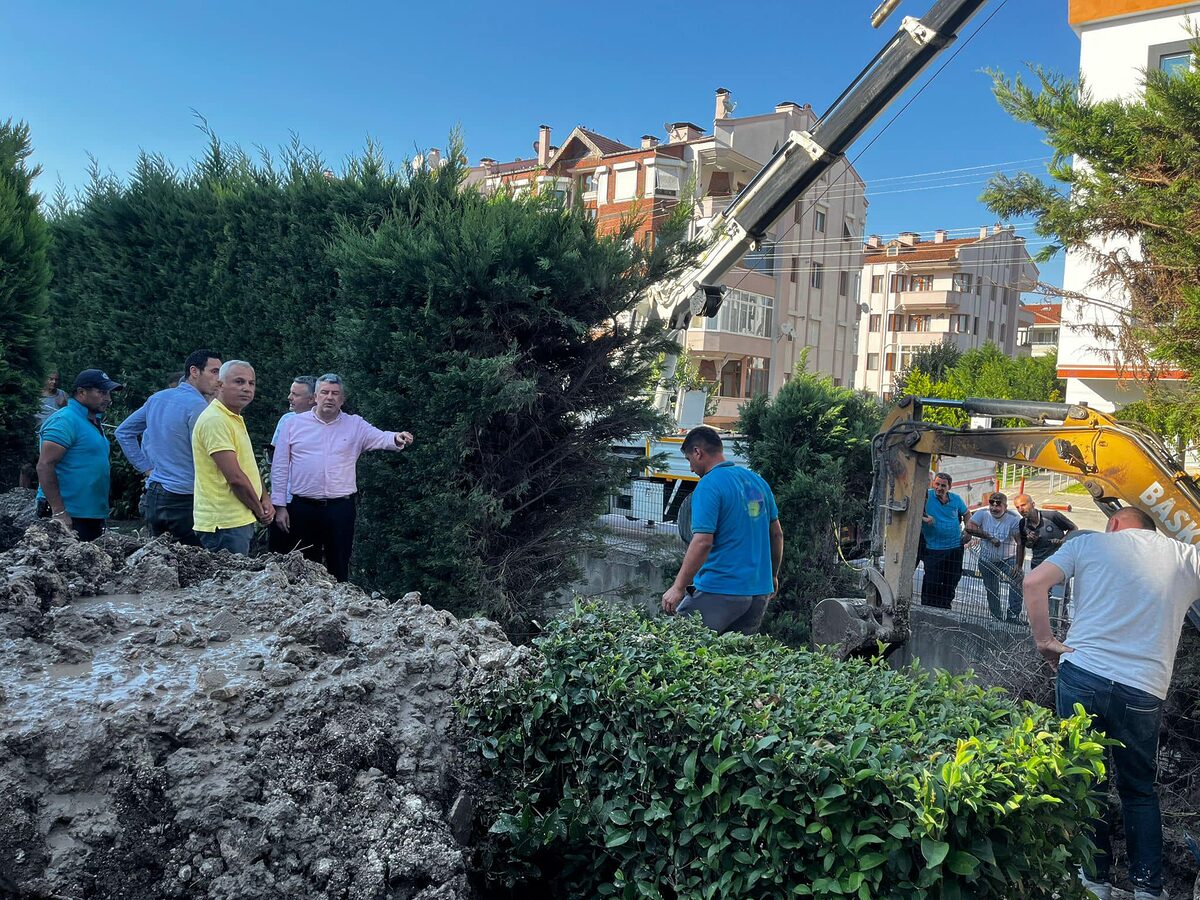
[(651, 758)]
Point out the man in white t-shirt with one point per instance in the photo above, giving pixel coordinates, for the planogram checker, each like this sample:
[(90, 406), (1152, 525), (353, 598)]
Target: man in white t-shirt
[(999, 533), (1132, 591)]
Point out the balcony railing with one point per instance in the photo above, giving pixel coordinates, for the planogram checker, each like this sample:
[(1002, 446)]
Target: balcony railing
[(928, 301)]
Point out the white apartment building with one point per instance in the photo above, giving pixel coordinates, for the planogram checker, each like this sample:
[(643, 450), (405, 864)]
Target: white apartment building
[(940, 290), (1118, 40), (800, 290)]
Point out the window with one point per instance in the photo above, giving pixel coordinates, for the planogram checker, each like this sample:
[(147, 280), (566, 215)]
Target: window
[(1172, 58), (626, 188), (876, 284), (991, 330), (731, 379), (1173, 63), (975, 326), (819, 220), (960, 324), (895, 322), (666, 182), (874, 322), (743, 312), (817, 277), (905, 282), (843, 283), (922, 283), (889, 362), (846, 233), (962, 282), (872, 362), (760, 377), (1003, 332), (761, 260)]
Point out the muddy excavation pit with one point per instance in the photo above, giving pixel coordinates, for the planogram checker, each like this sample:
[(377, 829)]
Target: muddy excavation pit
[(175, 723)]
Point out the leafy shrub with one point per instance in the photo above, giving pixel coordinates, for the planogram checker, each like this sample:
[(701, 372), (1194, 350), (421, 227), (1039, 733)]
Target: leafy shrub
[(651, 758)]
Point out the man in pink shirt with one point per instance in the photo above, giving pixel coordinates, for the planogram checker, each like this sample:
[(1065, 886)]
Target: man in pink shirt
[(316, 455)]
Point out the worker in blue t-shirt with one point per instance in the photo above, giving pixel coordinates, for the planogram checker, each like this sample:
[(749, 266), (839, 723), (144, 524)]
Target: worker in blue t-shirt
[(941, 528), (731, 568), (73, 458)]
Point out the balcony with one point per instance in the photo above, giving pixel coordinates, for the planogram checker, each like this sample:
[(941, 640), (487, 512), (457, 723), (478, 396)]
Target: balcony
[(928, 301), (707, 207)]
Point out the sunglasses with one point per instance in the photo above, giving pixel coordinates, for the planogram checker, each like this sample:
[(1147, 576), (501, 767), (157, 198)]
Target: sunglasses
[(995, 503)]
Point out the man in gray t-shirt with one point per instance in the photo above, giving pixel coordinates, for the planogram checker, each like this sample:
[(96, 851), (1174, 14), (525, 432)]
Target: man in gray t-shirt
[(1133, 588)]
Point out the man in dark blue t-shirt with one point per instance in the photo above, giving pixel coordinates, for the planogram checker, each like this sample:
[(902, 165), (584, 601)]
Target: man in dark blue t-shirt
[(941, 528), (731, 568)]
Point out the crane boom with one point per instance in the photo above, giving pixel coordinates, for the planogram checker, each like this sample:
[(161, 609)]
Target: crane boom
[(797, 165)]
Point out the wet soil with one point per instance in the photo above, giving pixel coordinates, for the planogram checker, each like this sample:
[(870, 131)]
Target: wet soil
[(175, 723)]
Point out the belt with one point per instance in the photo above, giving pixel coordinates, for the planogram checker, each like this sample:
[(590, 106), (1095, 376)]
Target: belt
[(326, 501)]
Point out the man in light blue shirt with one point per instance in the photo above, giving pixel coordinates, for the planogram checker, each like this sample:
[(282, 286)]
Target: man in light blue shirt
[(164, 455), (72, 467), (941, 527), (731, 568)]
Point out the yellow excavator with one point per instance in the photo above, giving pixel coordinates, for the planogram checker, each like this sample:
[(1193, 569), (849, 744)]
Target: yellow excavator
[(1120, 464)]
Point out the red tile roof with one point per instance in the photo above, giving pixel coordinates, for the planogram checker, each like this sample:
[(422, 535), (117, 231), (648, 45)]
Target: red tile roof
[(1045, 313), (604, 144), (922, 251), (508, 168)]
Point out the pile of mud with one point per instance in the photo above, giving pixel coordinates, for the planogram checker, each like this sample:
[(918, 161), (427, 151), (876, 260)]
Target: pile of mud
[(175, 723)]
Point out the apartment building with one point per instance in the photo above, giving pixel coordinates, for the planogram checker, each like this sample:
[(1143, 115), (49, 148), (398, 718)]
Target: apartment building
[(939, 290), (1040, 337), (1118, 40), (798, 291)]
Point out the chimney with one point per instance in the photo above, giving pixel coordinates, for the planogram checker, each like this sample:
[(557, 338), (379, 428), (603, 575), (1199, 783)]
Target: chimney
[(982, 232), (487, 162), (725, 104), (543, 144), (435, 158), (678, 132), (787, 106), (939, 236), (874, 242), (996, 229), (648, 141), (909, 238)]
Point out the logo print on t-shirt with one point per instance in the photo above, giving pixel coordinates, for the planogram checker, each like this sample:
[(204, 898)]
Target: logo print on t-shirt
[(755, 501)]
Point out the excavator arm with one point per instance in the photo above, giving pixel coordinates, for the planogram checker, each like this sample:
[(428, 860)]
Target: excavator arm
[(1120, 464), (804, 157)]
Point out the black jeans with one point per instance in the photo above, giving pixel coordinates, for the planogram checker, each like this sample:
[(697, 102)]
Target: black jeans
[(943, 570), (324, 531), (170, 513), (1132, 717)]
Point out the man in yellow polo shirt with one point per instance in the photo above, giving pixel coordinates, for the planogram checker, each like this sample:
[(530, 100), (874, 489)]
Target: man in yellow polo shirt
[(229, 496)]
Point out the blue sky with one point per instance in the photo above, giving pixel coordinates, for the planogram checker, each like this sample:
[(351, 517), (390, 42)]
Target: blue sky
[(115, 78)]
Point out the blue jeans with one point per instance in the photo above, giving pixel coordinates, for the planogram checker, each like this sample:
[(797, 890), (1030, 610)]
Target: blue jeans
[(235, 540), (1132, 717), (995, 571)]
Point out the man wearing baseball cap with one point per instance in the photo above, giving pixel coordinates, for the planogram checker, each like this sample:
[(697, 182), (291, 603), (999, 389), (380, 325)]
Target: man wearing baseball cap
[(73, 458)]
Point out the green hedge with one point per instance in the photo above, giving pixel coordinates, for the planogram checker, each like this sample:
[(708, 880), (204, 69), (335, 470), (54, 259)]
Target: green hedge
[(650, 758)]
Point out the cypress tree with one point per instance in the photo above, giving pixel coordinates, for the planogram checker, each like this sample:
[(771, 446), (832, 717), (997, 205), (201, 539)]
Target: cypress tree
[(24, 277)]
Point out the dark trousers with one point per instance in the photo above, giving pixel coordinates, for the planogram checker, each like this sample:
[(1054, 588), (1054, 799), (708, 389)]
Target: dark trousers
[(170, 513), (87, 529), (280, 541), (943, 569), (324, 531), (1132, 717)]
